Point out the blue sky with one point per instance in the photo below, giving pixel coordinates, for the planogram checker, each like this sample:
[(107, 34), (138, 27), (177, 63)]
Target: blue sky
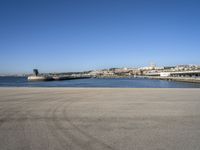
[(77, 35)]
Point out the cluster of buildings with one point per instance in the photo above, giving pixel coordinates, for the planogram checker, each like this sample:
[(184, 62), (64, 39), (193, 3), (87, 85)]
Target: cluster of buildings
[(151, 70), (115, 72)]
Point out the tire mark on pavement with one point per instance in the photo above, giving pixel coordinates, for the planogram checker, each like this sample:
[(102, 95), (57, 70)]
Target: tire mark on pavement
[(86, 134)]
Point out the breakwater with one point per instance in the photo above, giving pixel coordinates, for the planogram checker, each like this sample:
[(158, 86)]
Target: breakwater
[(55, 78)]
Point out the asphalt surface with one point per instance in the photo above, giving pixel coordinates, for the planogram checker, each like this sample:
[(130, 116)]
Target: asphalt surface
[(99, 119)]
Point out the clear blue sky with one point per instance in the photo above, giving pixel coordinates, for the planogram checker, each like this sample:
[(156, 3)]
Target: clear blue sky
[(77, 35)]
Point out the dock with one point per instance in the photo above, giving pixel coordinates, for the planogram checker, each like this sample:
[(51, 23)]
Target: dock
[(178, 79), (55, 78)]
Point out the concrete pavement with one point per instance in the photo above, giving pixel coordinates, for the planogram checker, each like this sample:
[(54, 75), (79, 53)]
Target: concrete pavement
[(99, 119)]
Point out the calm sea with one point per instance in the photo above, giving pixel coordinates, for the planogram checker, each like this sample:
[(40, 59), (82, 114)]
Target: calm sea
[(116, 83)]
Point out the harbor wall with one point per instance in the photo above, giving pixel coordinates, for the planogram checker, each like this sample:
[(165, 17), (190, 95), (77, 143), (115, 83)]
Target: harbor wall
[(179, 79)]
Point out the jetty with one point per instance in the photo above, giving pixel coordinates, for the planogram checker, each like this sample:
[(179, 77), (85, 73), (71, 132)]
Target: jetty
[(37, 77), (40, 78), (55, 78)]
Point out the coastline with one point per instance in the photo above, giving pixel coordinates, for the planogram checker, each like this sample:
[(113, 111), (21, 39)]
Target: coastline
[(178, 79)]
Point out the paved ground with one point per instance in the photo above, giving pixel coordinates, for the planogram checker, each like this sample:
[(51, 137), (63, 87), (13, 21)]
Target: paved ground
[(99, 119)]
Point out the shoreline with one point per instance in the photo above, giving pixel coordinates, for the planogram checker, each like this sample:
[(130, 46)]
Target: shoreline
[(178, 79)]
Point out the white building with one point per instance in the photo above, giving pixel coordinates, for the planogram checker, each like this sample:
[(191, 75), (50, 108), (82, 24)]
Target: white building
[(165, 74)]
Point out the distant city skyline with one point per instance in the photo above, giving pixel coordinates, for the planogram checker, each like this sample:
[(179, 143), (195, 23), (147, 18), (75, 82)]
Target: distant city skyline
[(64, 36)]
